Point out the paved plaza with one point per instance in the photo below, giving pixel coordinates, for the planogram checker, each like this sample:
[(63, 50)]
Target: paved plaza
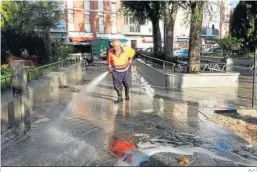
[(65, 133)]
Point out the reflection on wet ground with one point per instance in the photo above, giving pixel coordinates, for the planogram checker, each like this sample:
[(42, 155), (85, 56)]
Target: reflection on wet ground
[(164, 125)]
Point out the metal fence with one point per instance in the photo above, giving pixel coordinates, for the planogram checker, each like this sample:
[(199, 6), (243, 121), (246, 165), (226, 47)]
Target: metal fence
[(36, 73), (157, 63), (181, 66), (5, 83)]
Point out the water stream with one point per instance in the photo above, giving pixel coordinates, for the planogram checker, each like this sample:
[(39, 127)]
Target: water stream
[(86, 89)]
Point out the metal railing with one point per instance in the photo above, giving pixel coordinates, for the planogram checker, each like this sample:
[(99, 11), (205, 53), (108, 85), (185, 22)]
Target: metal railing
[(6, 83), (158, 63), (36, 73), (213, 66), (181, 67)]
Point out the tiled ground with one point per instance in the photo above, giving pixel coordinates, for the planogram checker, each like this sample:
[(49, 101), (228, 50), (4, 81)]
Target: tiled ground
[(80, 135)]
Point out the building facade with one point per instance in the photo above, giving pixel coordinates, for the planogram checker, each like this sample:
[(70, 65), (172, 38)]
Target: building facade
[(215, 24), (88, 20), (139, 36), (60, 31)]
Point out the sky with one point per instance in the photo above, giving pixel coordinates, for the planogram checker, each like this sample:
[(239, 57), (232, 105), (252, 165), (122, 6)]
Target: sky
[(233, 3)]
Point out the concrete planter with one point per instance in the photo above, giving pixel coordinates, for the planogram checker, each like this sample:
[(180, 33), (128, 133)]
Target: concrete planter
[(178, 81), (41, 91)]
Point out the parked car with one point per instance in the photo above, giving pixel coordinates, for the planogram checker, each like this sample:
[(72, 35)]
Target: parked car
[(183, 54), (212, 50), (178, 51), (216, 50), (149, 51), (138, 51)]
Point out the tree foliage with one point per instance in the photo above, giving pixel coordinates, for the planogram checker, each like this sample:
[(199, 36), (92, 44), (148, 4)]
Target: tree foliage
[(142, 11), (26, 25), (9, 12), (244, 23), (231, 46), (17, 15), (46, 14)]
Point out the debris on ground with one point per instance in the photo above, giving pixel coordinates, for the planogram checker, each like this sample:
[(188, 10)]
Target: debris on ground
[(184, 160), (243, 123)]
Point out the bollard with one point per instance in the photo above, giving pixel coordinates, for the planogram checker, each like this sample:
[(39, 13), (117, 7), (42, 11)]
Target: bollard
[(229, 65), (21, 98)]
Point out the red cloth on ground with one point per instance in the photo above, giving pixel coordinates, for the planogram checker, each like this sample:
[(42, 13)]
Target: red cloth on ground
[(120, 147)]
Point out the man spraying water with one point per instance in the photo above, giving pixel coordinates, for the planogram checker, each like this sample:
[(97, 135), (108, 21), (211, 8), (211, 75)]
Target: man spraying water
[(119, 60)]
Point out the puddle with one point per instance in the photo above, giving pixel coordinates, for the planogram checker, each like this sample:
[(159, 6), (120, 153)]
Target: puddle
[(42, 120), (189, 145)]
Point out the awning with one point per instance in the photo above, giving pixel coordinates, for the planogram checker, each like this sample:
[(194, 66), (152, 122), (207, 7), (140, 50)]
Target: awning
[(182, 40), (80, 36), (80, 39), (121, 40), (109, 36)]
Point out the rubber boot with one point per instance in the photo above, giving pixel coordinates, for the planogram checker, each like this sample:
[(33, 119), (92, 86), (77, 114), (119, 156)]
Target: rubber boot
[(127, 93), (119, 93)]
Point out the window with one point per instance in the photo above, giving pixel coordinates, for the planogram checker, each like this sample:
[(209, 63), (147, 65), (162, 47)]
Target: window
[(126, 21), (131, 20), (87, 5), (114, 6), (101, 23), (70, 3), (134, 28), (87, 22), (60, 5), (101, 5), (150, 30), (70, 16), (114, 23), (70, 20)]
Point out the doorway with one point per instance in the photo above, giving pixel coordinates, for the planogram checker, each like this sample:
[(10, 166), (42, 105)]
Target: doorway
[(133, 44)]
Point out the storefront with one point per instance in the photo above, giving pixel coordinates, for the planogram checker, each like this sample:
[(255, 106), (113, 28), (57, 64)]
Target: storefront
[(109, 36), (182, 42)]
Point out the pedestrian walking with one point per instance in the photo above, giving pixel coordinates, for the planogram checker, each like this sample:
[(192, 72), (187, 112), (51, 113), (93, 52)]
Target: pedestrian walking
[(119, 60)]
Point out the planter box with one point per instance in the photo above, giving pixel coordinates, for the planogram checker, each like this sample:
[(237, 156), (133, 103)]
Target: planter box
[(179, 80), (41, 91)]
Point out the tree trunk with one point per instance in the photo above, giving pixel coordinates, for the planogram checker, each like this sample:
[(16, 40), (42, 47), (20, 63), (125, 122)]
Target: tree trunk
[(157, 42), (48, 45), (169, 20), (195, 36)]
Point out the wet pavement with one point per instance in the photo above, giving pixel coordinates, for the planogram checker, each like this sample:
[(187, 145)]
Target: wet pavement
[(173, 122)]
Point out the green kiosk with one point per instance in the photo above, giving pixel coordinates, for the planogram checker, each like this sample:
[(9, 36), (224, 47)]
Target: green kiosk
[(99, 47)]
